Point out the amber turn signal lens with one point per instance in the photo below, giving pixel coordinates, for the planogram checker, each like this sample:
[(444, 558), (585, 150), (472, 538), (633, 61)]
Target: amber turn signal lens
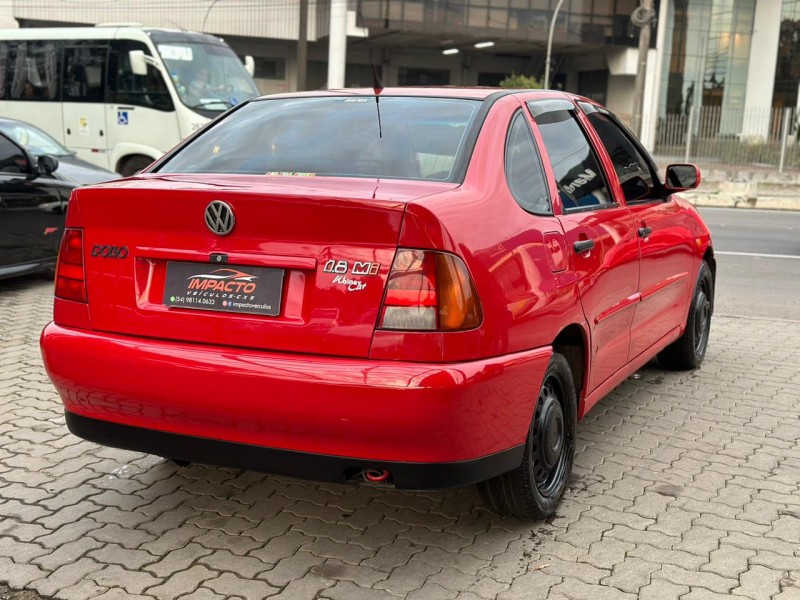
[(458, 303)]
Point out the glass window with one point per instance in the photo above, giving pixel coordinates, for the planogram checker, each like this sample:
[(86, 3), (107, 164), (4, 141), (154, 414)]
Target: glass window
[(33, 139), (576, 168), (524, 172), (412, 76), (84, 73), (351, 136), (270, 68), (12, 159), (206, 76), (33, 71), (632, 169), (124, 87)]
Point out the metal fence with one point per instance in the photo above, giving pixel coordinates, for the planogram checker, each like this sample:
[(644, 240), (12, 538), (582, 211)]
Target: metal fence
[(713, 134)]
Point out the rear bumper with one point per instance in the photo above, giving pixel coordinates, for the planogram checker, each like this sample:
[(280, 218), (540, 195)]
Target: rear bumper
[(431, 425), (319, 467)]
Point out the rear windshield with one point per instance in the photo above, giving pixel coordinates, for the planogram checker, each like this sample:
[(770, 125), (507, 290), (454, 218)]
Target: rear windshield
[(353, 136)]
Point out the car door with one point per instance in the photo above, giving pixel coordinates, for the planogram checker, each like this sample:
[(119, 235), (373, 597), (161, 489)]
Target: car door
[(84, 101), (668, 260), (31, 211), (600, 234)]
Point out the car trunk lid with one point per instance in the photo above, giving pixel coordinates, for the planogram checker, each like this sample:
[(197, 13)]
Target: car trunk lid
[(302, 270)]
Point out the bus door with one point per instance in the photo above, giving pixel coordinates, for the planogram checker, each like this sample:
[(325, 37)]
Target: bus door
[(83, 95), (141, 118)]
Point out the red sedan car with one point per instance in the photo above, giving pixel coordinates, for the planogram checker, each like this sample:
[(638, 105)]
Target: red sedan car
[(425, 287)]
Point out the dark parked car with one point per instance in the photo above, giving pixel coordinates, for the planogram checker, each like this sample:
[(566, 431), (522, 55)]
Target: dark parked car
[(37, 175)]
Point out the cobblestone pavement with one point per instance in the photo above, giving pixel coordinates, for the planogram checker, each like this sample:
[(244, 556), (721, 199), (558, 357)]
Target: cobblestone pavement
[(685, 486)]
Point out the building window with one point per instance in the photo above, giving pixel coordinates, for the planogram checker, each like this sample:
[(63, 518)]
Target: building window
[(270, 68), (411, 76)]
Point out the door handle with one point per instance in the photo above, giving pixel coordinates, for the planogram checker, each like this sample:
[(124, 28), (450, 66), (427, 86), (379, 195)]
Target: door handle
[(583, 246), (645, 232)]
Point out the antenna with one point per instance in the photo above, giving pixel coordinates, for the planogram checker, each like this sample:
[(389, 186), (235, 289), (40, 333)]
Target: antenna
[(377, 87)]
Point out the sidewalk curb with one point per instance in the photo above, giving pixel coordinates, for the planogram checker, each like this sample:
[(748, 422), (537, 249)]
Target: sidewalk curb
[(759, 202)]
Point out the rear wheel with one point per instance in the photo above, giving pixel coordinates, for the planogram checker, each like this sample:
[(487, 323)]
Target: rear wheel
[(688, 351), (134, 164), (533, 490)]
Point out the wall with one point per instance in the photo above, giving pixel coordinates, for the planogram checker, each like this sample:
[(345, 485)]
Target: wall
[(621, 90), (275, 20)]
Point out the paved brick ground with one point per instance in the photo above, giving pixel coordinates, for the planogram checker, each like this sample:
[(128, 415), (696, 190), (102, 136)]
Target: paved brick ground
[(685, 486)]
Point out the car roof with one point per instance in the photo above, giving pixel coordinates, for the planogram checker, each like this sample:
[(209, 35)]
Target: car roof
[(471, 93)]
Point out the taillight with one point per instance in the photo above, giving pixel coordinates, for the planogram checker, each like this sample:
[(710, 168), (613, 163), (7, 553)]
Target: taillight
[(70, 277), (429, 291)]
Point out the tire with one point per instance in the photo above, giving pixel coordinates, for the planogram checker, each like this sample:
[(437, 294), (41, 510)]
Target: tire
[(533, 490), (134, 164), (688, 351)]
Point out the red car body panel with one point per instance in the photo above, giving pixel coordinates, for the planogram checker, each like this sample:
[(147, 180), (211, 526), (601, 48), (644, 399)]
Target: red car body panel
[(323, 377), (374, 410)]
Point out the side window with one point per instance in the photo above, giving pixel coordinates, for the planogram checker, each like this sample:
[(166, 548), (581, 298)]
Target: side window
[(577, 170), (140, 90), (524, 172), (12, 159), (632, 169), (33, 69), (84, 73), (5, 69)]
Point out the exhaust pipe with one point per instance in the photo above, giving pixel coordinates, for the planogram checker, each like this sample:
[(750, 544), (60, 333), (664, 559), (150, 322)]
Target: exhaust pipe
[(375, 475)]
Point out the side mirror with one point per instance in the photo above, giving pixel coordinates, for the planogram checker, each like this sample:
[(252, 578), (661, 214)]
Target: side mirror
[(250, 65), (682, 177), (138, 62), (47, 164)]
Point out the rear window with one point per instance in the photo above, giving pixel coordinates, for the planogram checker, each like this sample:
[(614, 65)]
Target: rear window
[(352, 136)]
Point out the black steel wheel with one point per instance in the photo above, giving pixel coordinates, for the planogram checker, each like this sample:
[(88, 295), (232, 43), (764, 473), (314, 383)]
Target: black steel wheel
[(534, 489), (688, 351)]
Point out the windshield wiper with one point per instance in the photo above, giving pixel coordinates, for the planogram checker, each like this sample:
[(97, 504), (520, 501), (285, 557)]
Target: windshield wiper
[(212, 103)]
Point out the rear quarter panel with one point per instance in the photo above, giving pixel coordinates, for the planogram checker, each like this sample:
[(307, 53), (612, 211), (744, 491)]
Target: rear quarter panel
[(525, 305)]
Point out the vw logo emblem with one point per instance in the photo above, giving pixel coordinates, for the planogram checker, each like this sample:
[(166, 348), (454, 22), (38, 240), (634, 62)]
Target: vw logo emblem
[(219, 217)]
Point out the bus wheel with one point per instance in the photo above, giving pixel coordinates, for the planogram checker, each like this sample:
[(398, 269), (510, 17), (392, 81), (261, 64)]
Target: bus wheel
[(134, 164)]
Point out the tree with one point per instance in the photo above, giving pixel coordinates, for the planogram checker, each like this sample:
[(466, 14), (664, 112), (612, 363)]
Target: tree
[(527, 82)]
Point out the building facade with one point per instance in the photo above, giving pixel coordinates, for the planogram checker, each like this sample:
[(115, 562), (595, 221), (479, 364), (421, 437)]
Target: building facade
[(737, 56)]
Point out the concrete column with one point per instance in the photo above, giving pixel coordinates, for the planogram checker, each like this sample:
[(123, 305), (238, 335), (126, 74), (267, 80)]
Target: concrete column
[(761, 70), (337, 44), (652, 87)]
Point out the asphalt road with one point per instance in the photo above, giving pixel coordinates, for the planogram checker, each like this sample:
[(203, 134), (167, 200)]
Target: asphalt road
[(758, 262)]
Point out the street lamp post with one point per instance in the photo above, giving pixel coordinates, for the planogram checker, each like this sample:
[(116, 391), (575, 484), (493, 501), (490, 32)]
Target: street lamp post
[(550, 45)]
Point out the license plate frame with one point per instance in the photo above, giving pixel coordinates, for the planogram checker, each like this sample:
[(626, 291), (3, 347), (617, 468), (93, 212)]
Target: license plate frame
[(238, 289)]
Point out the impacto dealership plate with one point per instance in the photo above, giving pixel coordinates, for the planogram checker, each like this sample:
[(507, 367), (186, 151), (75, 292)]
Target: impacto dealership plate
[(254, 290)]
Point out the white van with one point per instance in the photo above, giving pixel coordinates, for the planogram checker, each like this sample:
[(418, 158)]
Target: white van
[(119, 96)]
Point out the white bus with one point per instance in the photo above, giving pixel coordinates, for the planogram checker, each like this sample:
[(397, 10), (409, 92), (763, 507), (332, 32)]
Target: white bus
[(119, 96)]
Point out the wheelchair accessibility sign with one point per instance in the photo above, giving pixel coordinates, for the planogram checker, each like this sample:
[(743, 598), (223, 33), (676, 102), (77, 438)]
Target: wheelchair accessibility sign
[(122, 117)]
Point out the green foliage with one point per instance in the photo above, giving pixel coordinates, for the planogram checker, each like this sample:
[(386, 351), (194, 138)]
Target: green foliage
[(526, 82)]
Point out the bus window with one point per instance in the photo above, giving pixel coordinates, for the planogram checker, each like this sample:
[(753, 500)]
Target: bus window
[(33, 69), (3, 68), (124, 87), (84, 74)]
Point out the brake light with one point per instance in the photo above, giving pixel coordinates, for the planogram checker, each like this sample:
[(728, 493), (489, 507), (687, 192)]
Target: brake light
[(429, 291), (70, 276)]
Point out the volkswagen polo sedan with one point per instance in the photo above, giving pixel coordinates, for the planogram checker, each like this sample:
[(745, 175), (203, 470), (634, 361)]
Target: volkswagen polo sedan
[(417, 287)]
